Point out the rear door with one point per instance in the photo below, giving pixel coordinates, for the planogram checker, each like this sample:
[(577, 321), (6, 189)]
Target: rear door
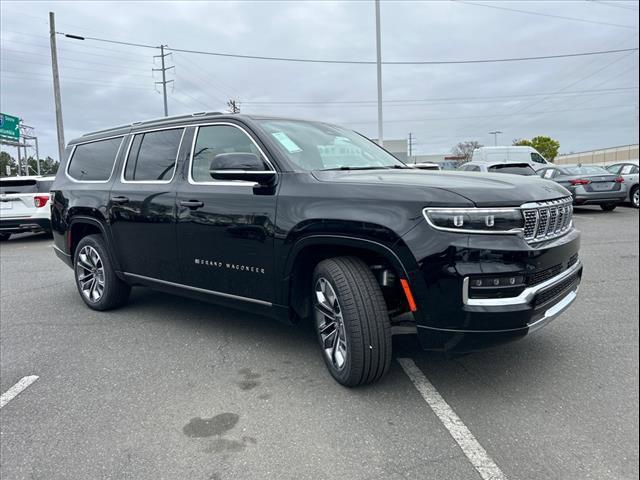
[(142, 204), (17, 197), (226, 228)]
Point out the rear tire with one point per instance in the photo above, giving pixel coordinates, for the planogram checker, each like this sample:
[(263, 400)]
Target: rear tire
[(635, 197), (4, 237), (351, 320), (608, 207), (96, 279)]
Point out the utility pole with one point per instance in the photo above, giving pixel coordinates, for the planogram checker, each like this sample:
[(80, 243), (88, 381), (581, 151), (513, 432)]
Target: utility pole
[(234, 106), (379, 67), (56, 85), (495, 137), (164, 81), (410, 146)]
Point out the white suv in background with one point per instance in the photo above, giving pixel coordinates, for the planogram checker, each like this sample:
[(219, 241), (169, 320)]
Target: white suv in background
[(24, 205), (512, 154)]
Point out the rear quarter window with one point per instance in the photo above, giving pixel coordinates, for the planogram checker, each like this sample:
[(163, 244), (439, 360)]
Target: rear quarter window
[(93, 162)]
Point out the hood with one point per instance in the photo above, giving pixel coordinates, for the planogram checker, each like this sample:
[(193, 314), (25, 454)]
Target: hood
[(483, 189)]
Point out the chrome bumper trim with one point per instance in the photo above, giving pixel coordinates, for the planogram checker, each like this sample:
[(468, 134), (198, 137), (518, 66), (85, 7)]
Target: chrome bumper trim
[(524, 298)]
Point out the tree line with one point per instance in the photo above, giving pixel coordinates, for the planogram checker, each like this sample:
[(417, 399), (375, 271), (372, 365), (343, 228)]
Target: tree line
[(9, 166)]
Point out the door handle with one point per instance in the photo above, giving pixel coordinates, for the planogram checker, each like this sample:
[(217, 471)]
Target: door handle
[(192, 204), (120, 199)]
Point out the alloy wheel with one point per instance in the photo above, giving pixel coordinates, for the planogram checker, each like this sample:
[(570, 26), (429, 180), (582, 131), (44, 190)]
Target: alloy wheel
[(636, 198), (330, 324), (90, 273)]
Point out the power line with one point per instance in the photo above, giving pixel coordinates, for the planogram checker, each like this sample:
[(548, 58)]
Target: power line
[(409, 62), (528, 12), (353, 62), (366, 122), (611, 4), (402, 102)]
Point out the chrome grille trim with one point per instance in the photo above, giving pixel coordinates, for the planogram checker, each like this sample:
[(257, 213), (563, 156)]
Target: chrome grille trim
[(547, 220)]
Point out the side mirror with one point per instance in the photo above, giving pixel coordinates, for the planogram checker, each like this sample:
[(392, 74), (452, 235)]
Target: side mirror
[(240, 166)]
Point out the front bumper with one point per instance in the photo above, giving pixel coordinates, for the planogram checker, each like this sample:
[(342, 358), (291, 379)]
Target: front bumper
[(448, 318), (26, 224)]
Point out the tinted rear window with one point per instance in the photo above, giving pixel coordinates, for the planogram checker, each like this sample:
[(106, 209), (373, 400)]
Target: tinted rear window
[(513, 169), (152, 156), (18, 186), (585, 170), (94, 161)]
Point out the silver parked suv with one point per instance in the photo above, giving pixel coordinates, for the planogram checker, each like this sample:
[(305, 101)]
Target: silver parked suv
[(629, 171)]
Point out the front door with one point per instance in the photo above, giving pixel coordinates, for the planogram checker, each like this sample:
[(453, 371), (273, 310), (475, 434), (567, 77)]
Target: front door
[(225, 228), (142, 209)]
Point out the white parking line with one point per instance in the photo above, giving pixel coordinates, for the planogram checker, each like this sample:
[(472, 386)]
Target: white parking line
[(16, 389), (477, 455)]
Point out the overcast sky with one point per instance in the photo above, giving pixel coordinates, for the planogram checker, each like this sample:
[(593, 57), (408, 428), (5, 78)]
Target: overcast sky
[(589, 102)]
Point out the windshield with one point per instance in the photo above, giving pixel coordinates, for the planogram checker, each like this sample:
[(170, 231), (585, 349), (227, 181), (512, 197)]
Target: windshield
[(514, 168), (585, 170), (318, 146)]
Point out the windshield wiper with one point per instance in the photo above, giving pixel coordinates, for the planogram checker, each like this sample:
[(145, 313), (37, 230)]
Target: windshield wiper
[(344, 167)]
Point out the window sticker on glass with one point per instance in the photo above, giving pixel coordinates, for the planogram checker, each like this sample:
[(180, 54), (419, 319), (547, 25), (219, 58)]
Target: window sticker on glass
[(286, 142)]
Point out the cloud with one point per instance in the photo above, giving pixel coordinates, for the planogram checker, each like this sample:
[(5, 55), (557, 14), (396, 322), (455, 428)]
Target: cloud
[(107, 84)]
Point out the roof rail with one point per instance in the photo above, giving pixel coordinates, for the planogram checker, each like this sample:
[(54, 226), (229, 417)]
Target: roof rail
[(154, 120)]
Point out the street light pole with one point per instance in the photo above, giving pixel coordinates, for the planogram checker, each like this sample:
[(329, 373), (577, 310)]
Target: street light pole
[(379, 68), (56, 85), (495, 137)]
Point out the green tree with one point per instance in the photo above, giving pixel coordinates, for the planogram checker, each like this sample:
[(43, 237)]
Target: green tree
[(547, 146), (48, 166), (7, 160)]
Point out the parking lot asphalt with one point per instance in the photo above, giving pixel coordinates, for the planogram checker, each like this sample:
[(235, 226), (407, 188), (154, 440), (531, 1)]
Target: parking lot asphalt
[(168, 387)]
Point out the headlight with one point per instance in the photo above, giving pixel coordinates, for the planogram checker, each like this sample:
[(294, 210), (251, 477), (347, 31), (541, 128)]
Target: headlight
[(476, 220)]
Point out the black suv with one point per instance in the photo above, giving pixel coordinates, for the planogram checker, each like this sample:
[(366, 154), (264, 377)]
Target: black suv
[(297, 219)]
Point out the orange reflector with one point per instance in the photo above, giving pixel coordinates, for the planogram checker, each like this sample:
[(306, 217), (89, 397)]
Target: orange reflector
[(409, 295)]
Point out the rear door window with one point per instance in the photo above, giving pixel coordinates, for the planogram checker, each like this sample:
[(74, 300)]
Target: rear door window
[(152, 156), (93, 162)]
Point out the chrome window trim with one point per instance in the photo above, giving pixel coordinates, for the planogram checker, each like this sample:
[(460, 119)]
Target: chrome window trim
[(175, 164), (524, 298), (113, 167), (237, 183)]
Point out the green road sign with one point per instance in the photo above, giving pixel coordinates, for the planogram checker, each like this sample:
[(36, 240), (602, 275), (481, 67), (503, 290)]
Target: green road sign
[(9, 127)]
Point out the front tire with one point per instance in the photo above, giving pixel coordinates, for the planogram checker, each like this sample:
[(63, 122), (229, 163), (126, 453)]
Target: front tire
[(96, 279), (4, 237), (351, 320), (608, 207), (635, 197)]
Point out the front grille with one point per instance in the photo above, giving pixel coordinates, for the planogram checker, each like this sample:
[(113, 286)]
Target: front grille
[(558, 289), (540, 276), (547, 220)]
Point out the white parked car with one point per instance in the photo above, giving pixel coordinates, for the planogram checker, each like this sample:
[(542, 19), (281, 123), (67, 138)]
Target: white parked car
[(24, 205), (628, 169), (509, 154)]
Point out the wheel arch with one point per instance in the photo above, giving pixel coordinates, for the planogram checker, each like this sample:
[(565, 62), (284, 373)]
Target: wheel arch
[(81, 226), (307, 252)]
